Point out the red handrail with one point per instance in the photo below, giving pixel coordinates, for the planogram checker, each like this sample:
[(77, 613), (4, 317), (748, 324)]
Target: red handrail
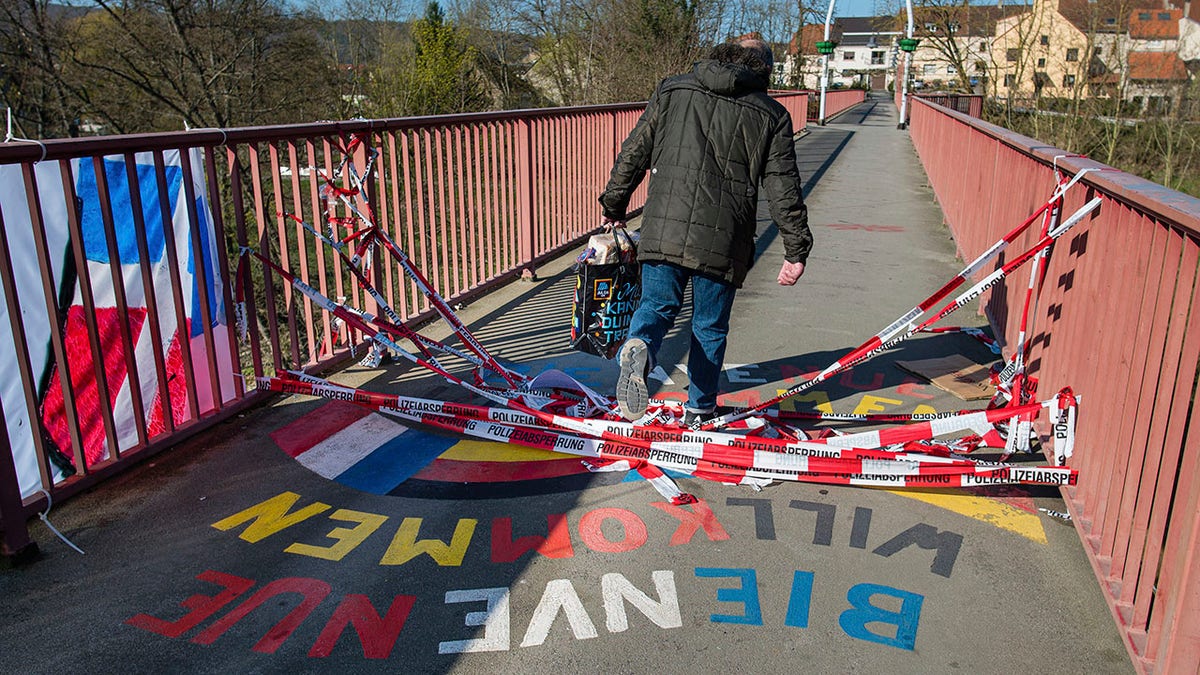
[(1119, 322), (475, 200)]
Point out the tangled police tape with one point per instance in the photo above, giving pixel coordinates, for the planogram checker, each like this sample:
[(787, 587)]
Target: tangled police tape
[(753, 446)]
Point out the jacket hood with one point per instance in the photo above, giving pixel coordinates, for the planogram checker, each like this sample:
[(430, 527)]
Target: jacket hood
[(728, 79)]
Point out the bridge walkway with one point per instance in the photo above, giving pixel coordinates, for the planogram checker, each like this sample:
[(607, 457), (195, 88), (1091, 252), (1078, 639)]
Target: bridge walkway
[(447, 555)]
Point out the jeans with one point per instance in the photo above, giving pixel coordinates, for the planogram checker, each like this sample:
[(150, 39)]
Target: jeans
[(712, 299)]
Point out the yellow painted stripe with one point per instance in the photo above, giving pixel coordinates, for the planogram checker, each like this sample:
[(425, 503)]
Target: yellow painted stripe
[(990, 511), (490, 451)]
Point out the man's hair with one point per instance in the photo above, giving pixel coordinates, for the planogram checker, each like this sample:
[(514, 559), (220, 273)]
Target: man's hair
[(752, 53)]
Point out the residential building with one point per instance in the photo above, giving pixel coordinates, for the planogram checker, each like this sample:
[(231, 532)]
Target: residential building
[(1145, 52), (1155, 74), (865, 54), (955, 45), (1137, 50)]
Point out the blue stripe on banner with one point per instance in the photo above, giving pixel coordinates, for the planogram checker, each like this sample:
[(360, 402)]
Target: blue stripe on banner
[(92, 222), (395, 461), (215, 299)]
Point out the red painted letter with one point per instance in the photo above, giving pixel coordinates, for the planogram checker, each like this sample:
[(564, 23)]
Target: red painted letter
[(313, 590), (690, 522), (847, 380), (556, 544), (202, 606), (377, 635), (593, 536)]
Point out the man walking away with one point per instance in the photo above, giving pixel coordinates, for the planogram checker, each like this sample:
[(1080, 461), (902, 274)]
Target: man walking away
[(708, 139)]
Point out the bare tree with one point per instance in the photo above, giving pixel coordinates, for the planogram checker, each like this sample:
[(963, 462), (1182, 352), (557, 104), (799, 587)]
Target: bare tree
[(144, 65), (34, 38), (643, 41), (950, 29)]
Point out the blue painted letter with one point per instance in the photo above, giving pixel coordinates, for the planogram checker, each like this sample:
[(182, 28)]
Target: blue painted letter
[(801, 599), (747, 594), (854, 620)]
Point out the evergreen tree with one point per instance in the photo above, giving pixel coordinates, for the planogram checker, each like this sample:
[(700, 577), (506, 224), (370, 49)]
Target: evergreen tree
[(443, 79)]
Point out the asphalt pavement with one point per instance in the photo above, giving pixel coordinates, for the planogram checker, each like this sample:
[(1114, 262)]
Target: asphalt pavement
[(311, 536)]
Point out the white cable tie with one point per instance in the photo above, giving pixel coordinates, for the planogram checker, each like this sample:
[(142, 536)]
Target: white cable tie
[(43, 515), (224, 136), (11, 139)]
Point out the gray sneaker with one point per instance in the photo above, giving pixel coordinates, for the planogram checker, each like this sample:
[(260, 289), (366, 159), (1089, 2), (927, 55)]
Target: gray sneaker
[(631, 384)]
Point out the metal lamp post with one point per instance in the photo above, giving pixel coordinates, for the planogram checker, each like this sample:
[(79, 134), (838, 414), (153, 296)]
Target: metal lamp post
[(825, 48), (908, 45)]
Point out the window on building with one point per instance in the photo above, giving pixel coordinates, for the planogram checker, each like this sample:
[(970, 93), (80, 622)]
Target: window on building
[(953, 26), (1011, 55), (1041, 63), (951, 70), (929, 69), (1010, 80), (1143, 16), (1044, 40), (1073, 54), (931, 27), (1110, 21), (1164, 16), (847, 56), (980, 66), (1068, 80), (877, 58)]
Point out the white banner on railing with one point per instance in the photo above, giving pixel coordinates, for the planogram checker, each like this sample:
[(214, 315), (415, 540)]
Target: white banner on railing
[(108, 316)]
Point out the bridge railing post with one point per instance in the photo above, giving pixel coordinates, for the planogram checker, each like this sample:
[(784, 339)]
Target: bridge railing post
[(525, 197), (15, 543)]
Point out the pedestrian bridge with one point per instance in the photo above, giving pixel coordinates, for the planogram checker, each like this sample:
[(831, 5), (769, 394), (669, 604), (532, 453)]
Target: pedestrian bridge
[(122, 328)]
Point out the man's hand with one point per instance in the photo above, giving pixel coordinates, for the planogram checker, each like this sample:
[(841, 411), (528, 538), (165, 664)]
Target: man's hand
[(609, 223), (791, 273)]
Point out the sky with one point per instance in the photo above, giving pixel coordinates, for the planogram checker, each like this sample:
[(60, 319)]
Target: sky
[(878, 7), (842, 7), (859, 7)]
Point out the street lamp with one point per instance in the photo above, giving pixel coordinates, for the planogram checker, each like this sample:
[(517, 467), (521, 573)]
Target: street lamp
[(825, 48), (908, 45)]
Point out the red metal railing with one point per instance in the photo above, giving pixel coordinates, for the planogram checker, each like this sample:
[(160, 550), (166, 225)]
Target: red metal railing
[(836, 102), (475, 200), (968, 104), (796, 103), (1119, 322)]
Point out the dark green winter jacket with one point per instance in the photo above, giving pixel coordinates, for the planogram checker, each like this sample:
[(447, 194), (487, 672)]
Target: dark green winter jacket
[(708, 138)]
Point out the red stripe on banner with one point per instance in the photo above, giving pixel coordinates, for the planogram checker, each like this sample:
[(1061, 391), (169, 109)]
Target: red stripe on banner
[(452, 470), (705, 471), (921, 431), (941, 293), (177, 388), (83, 378), (304, 433), (727, 454)]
